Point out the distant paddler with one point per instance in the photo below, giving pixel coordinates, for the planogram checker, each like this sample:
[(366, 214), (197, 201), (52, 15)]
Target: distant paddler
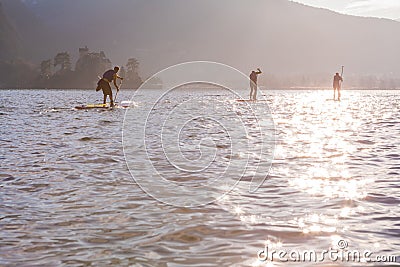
[(253, 84), (337, 84), (104, 84)]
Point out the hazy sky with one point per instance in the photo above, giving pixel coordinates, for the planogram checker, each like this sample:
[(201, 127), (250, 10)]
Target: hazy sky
[(374, 8)]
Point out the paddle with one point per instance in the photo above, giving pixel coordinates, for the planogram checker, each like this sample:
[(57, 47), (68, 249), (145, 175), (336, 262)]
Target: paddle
[(120, 85), (341, 83), (342, 72)]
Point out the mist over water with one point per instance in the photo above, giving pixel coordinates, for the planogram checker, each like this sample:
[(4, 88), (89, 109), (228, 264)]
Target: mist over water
[(68, 198)]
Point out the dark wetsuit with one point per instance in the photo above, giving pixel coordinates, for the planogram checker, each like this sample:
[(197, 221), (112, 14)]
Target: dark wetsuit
[(253, 84), (104, 83), (337, 79)]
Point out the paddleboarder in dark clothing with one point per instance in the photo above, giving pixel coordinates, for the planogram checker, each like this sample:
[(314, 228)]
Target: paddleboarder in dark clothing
[(337, 84), (104, 84), (253, 84)]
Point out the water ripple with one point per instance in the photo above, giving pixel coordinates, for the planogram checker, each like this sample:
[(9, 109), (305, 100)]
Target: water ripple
[(67, 198)]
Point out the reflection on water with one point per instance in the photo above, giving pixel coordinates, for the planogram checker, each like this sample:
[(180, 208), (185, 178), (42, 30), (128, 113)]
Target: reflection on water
[(68, 199)]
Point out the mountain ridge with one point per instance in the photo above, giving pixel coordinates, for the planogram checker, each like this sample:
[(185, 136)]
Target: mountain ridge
[(281, 36), (10, 44)]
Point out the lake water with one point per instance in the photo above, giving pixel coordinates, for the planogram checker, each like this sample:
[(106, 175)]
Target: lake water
[(68, 197)]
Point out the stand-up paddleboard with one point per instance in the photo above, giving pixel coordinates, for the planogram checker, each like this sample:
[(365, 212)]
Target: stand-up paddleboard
[(250, 101), (336, 100), (123, 104), (94, 106)]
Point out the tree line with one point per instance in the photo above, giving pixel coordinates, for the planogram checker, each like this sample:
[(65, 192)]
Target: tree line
[(57, 72)]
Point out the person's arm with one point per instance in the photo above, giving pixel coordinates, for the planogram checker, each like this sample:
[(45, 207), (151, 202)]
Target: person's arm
[(119, 77), (115, 81), (259, 71)]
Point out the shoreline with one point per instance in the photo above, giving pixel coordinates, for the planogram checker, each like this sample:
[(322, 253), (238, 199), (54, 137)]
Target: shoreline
[(262, 89)]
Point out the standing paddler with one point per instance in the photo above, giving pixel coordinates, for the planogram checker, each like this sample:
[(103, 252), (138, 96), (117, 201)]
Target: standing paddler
[(253, 84), (337, 84), (104, 84)]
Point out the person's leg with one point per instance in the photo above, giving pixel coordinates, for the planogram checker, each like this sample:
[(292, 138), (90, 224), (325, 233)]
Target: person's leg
[(338, 91), (107, 92), (111, 100), (100, 86), (334, 93), (251, 90)]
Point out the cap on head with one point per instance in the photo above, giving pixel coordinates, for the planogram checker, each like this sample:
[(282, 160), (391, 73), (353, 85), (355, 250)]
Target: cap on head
[(116, 68)]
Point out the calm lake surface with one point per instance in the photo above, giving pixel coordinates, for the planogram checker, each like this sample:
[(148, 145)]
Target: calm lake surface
[(68, 198)]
